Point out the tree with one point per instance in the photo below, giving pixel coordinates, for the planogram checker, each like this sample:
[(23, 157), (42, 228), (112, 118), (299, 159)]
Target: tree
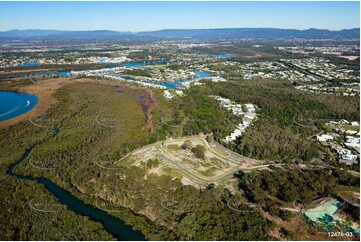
[(198, 151), (187, 145)]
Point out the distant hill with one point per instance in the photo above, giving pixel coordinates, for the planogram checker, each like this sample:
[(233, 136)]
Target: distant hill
[(202, 34), (266, 33)]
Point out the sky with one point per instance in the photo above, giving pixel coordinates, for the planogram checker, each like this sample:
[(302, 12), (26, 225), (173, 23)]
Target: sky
[(145, 16)]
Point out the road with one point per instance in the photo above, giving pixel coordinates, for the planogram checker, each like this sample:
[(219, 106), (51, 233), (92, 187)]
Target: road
[(162, 157)]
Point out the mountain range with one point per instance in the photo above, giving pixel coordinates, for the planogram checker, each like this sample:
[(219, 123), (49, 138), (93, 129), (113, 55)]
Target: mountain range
[(202, 34)]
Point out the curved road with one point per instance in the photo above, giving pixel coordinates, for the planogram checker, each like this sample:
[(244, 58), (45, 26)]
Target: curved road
[(161, 156)]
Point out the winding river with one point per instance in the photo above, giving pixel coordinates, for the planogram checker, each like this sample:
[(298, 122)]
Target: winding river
[(13, 104), (113, 225)]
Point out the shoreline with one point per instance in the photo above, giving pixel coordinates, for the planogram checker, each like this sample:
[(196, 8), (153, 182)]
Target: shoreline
[(44, 92)]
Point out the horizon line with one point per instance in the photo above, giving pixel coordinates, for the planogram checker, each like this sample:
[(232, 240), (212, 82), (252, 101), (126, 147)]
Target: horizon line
[(180, 29)]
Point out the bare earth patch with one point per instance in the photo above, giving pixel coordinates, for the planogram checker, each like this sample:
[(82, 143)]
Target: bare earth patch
[(216, 167), (351, 58)]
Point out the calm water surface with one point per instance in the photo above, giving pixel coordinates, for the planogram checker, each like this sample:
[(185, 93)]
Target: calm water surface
[(13, 104)]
